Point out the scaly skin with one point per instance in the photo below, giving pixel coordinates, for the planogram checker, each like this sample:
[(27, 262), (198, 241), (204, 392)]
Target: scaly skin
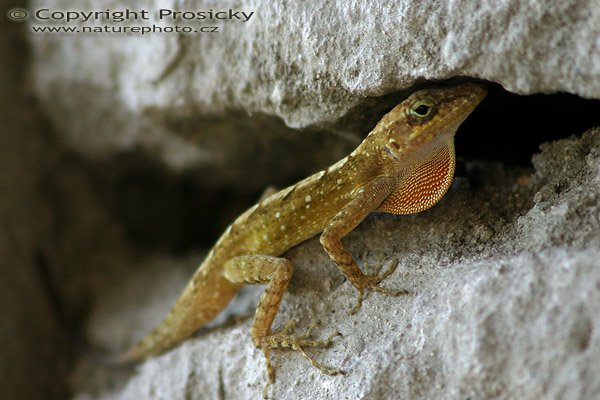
[(405, 165)]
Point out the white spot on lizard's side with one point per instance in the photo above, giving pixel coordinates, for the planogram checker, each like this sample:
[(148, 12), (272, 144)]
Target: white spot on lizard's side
[(308, 199), (282, 227), (277, 214)]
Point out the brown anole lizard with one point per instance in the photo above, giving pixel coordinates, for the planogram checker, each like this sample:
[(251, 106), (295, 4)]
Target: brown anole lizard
[(405, 165)]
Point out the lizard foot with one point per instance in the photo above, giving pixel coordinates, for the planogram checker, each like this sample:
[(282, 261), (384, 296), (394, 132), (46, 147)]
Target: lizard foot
[(371, 282), (284, 340)]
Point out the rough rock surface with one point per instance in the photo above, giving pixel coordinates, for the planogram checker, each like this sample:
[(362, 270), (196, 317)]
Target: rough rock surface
[(185, 98), (505, 283)]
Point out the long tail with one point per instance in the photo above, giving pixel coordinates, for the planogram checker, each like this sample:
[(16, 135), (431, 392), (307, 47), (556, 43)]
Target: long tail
[(204, 297)]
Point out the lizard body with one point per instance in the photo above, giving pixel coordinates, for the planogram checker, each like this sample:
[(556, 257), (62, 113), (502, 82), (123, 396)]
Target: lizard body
[(405, 165)]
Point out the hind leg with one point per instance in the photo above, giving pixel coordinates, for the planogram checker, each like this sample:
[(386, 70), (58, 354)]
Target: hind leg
[(276, 273)]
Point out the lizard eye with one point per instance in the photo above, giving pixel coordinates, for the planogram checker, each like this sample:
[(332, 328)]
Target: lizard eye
[(422, 108)]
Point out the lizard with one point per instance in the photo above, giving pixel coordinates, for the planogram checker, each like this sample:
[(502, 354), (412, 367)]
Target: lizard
[(404, 165)]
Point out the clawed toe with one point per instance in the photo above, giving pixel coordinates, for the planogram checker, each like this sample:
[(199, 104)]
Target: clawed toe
[(371, 282), (283, 340), (389, 292)]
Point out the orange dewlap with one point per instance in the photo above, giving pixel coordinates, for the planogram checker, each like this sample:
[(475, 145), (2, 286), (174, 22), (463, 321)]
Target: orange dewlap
[(424, 185)]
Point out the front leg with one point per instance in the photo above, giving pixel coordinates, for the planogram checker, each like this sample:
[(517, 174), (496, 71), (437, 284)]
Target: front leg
[(367, 200)]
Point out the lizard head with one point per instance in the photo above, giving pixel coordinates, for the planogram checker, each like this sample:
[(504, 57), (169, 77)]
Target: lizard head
[(416, 143), (425, 118)]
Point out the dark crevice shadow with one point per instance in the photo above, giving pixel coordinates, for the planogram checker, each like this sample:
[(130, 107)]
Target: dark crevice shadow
[(174, 211), (509, 128)]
